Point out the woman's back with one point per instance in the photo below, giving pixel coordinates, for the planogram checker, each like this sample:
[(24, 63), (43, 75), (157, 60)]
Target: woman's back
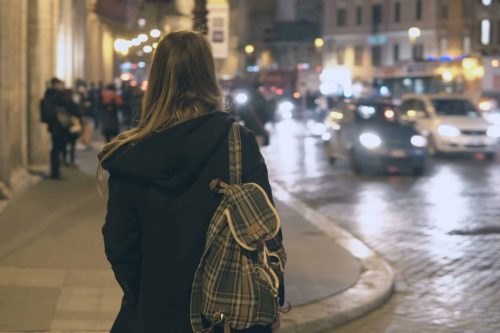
[(159, 210)]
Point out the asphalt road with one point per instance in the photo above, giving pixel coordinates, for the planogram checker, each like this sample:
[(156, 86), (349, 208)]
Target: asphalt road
[(440, 232)]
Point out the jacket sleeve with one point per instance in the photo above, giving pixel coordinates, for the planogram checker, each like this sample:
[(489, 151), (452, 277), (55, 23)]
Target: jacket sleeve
[(254, 170), (122, 235)]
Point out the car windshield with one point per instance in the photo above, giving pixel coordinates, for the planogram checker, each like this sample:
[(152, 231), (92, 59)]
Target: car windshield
[(455, 107)]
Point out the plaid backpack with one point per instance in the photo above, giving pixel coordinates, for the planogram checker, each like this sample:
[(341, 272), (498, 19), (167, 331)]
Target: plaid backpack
[(236, 283)]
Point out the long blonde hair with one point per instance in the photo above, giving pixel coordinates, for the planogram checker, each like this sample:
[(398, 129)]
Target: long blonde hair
[(182, 85)]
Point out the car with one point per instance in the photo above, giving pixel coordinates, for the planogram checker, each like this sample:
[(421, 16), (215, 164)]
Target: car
[(370, 135), (451, 123)]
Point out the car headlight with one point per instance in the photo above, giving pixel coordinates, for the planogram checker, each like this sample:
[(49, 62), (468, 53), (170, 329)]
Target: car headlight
[(370, 140), (241, 98), (285, 106), (448, 131), (418, 141), (494, 132)]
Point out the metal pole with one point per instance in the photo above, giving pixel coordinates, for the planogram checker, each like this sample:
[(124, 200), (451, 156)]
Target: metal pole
[(200, 16)]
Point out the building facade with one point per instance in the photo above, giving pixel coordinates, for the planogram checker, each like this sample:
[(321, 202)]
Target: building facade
[(366, 39), (40, 39)]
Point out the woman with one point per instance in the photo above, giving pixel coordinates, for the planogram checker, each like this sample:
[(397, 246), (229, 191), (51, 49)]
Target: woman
[(160, 204)]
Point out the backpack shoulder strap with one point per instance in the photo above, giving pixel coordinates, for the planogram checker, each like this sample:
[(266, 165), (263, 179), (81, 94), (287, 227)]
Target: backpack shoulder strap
[(234, 154)]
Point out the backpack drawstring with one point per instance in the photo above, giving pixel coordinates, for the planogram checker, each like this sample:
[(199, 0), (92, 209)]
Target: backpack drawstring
[(218, 186)]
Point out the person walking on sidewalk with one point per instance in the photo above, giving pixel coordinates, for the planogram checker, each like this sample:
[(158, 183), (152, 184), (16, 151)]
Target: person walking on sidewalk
[(160, 204), (74, 132), (55, 114), (111, 101)]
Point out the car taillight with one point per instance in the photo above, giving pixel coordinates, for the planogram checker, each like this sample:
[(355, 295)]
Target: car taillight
[(389, 114)]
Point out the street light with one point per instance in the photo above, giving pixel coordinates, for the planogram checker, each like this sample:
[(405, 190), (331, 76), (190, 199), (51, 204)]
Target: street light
[(249, 49), (413, 34), (319, 42), (121, 46)]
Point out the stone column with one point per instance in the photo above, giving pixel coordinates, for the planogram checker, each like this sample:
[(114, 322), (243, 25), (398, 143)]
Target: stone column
[(13, 94), (41, 67), (99, 48), (65, 43)]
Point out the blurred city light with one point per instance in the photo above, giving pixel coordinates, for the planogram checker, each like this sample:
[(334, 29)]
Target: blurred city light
[(370, 140), (447, 76), (319, 42), (448, 131), (414, 33), (141, 64), (141, 22), (147, 49), (136, 42), (143, 37), (495, 63), (485, 32), (494, 131), (122, 45), (155, 45), (125, 76), (249, 49), (485, 105), (241, 98), (418, 141), (155, 33)]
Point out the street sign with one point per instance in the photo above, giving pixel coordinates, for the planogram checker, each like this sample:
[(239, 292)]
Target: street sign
[(218, 28), (377, 39)]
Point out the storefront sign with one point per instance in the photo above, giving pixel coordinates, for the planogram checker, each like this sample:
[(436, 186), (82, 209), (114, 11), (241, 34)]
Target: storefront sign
[(218, 28)]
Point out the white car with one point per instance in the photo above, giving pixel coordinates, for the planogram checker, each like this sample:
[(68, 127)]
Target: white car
[(451, 123)]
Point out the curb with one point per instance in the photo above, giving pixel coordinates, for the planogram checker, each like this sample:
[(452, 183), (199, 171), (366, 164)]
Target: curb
[(372, 289)]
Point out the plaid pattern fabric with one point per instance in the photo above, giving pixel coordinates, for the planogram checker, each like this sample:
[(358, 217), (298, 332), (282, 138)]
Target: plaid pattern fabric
[(236, 283)]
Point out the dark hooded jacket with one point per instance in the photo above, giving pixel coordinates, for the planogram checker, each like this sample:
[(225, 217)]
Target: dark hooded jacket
[(159, 209)]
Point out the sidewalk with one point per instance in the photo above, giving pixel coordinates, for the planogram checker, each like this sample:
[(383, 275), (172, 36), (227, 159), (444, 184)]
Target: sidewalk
[(54, 276)]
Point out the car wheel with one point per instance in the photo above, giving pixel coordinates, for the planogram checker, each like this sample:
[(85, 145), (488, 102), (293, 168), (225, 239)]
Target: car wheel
[(356, 166), (490, 156)]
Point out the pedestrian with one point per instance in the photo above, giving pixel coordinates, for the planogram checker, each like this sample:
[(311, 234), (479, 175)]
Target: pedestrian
[(82, 99), (160, 204), (111, 102), (96, 103), (256, 113), (128, 104), (74, 131), (55, 114)]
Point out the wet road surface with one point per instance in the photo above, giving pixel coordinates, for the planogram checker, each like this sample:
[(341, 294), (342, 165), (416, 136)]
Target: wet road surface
[(440, 232)]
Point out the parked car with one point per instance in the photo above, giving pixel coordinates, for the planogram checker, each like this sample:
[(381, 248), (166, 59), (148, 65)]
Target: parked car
[(369, 135), (451, 123)]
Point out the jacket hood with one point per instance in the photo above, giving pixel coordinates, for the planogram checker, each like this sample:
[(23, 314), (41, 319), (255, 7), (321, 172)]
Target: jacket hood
[(171, 158)]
